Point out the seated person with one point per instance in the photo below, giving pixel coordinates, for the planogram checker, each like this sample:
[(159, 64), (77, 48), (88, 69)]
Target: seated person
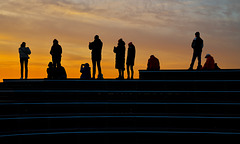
[(50, 71), (153, 64), (209, 64), (60, 73), (86, 71)]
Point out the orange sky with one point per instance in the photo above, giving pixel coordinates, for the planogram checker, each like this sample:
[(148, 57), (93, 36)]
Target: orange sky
[(164, 28)]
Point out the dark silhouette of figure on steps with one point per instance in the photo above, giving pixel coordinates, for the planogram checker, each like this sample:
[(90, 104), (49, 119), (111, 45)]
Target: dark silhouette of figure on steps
[(50, 71), (130, 59), (23, 54), (56, 52), (96, 47), (210, 63), (153, 64), (86, 71), (197, 46), (120, 58), (56, 73), (60, 73)]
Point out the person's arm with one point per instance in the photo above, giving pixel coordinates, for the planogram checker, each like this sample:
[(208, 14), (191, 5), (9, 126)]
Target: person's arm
[(60, 49), (193, 44), (28, 51)]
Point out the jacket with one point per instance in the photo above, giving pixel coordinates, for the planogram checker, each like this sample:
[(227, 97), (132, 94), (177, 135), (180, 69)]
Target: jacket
[(153, 64), (24, 52), (209, 64), (197, 44)]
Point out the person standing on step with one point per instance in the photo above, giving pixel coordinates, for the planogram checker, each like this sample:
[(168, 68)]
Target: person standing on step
[(197, 46), (130, 59), (56, 52), (23, 53), (96, 47), (120, 58)]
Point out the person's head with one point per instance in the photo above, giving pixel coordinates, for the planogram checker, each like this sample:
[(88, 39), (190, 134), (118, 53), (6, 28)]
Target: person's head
[(50, 64), (152, 56), (23, 44), (207, 55), (96, 37), (197, 34), (120, 40), (55, 41), (130, 44), (86, 65)]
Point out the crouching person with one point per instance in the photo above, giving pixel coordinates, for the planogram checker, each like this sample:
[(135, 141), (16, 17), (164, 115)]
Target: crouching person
[(86, 72)]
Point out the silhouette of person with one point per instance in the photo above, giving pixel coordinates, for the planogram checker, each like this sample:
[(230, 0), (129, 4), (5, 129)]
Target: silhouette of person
[(130, 59), (96, 47), (23, 53), (56, 52), (197, 46), (209, 64), (60, 73), (120, 58), (153, 64), (86, 71), (50, 71)]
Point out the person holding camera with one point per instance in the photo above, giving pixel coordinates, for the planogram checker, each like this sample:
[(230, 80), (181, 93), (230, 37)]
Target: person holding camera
[(86, 71), (23, 53)]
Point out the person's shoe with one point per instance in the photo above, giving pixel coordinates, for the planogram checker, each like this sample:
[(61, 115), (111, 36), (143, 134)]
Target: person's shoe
[(100, 76), (118, 78), (190, 69), (199, 67)]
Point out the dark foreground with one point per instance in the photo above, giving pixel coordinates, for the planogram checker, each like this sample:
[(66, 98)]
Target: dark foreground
[(121, 111)]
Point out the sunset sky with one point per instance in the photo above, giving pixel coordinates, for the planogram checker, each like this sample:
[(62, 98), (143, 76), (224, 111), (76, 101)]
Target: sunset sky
[(164, 28)]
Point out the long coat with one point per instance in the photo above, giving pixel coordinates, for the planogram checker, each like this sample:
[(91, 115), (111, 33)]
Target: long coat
[(120, 55), (131, 55)]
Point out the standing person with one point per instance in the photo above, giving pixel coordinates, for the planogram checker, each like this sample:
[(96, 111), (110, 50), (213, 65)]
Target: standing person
[(197, 46), (120, 58), (23, 53), (96, 47), (130, 59), (56, 52)]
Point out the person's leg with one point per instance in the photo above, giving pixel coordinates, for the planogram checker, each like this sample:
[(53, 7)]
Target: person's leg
[(119, 73), (59, 61), (99, 68), (26, 68), (132, 72), (21, 63), (54, 62), (94, 69), (193, 60), (128, 72), (199, 59), (122, 73)]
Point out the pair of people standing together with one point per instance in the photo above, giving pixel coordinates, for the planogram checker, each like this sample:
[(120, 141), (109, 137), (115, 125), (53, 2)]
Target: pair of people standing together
[(96, 47), (120, 58)]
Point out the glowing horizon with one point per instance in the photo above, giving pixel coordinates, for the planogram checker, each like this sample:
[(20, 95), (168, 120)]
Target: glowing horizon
[(164, 28)]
